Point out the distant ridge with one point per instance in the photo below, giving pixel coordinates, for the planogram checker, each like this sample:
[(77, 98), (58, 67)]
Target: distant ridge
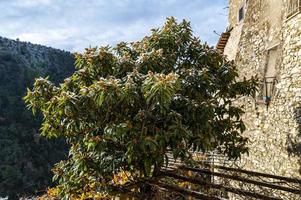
[(30, 43), (34, 55), (25, 157)]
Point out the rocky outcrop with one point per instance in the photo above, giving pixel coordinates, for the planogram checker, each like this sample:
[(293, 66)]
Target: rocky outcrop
[(36, 56)]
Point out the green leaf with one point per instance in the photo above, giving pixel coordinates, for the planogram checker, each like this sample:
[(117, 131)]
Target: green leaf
[(100, 99)]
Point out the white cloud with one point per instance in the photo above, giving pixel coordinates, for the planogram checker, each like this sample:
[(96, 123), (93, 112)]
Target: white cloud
[(43, 38), (76, 24), (32, 3)]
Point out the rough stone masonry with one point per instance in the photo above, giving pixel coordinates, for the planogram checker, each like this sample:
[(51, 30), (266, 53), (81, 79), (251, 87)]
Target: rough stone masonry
[(265, 40)]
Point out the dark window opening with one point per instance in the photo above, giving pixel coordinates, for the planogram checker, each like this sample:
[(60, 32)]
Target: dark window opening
[(241, 14)]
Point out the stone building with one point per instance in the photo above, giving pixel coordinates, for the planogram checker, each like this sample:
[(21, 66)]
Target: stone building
[(264, 39)]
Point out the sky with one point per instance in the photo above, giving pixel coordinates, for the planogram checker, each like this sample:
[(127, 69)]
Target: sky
[(73, 25)]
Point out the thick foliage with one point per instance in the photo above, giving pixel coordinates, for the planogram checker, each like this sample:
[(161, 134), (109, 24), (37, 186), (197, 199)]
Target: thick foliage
[(126, 107)]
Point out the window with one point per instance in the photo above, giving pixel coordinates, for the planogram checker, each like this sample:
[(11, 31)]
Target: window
[(241, 13), (293, 6)]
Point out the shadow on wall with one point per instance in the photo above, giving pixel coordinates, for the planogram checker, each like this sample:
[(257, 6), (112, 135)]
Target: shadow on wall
[(294, 143)]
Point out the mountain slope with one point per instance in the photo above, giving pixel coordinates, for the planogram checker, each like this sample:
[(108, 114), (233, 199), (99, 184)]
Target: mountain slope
[(26, 159)]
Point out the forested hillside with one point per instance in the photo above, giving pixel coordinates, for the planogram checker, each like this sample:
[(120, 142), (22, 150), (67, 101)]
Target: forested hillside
[(25, 158)]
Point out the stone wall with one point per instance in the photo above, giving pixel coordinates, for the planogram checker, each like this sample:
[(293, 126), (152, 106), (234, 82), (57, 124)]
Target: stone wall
[(233, 41), (234, 6), (289, 90), (274, 131)]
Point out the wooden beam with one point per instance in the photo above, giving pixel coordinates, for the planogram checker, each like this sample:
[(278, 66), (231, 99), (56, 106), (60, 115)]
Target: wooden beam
[(184, 191), (219, 186), (283, 178), (242, 179)]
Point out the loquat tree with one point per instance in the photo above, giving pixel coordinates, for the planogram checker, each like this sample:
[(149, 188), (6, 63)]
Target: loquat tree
[(127, 106)]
